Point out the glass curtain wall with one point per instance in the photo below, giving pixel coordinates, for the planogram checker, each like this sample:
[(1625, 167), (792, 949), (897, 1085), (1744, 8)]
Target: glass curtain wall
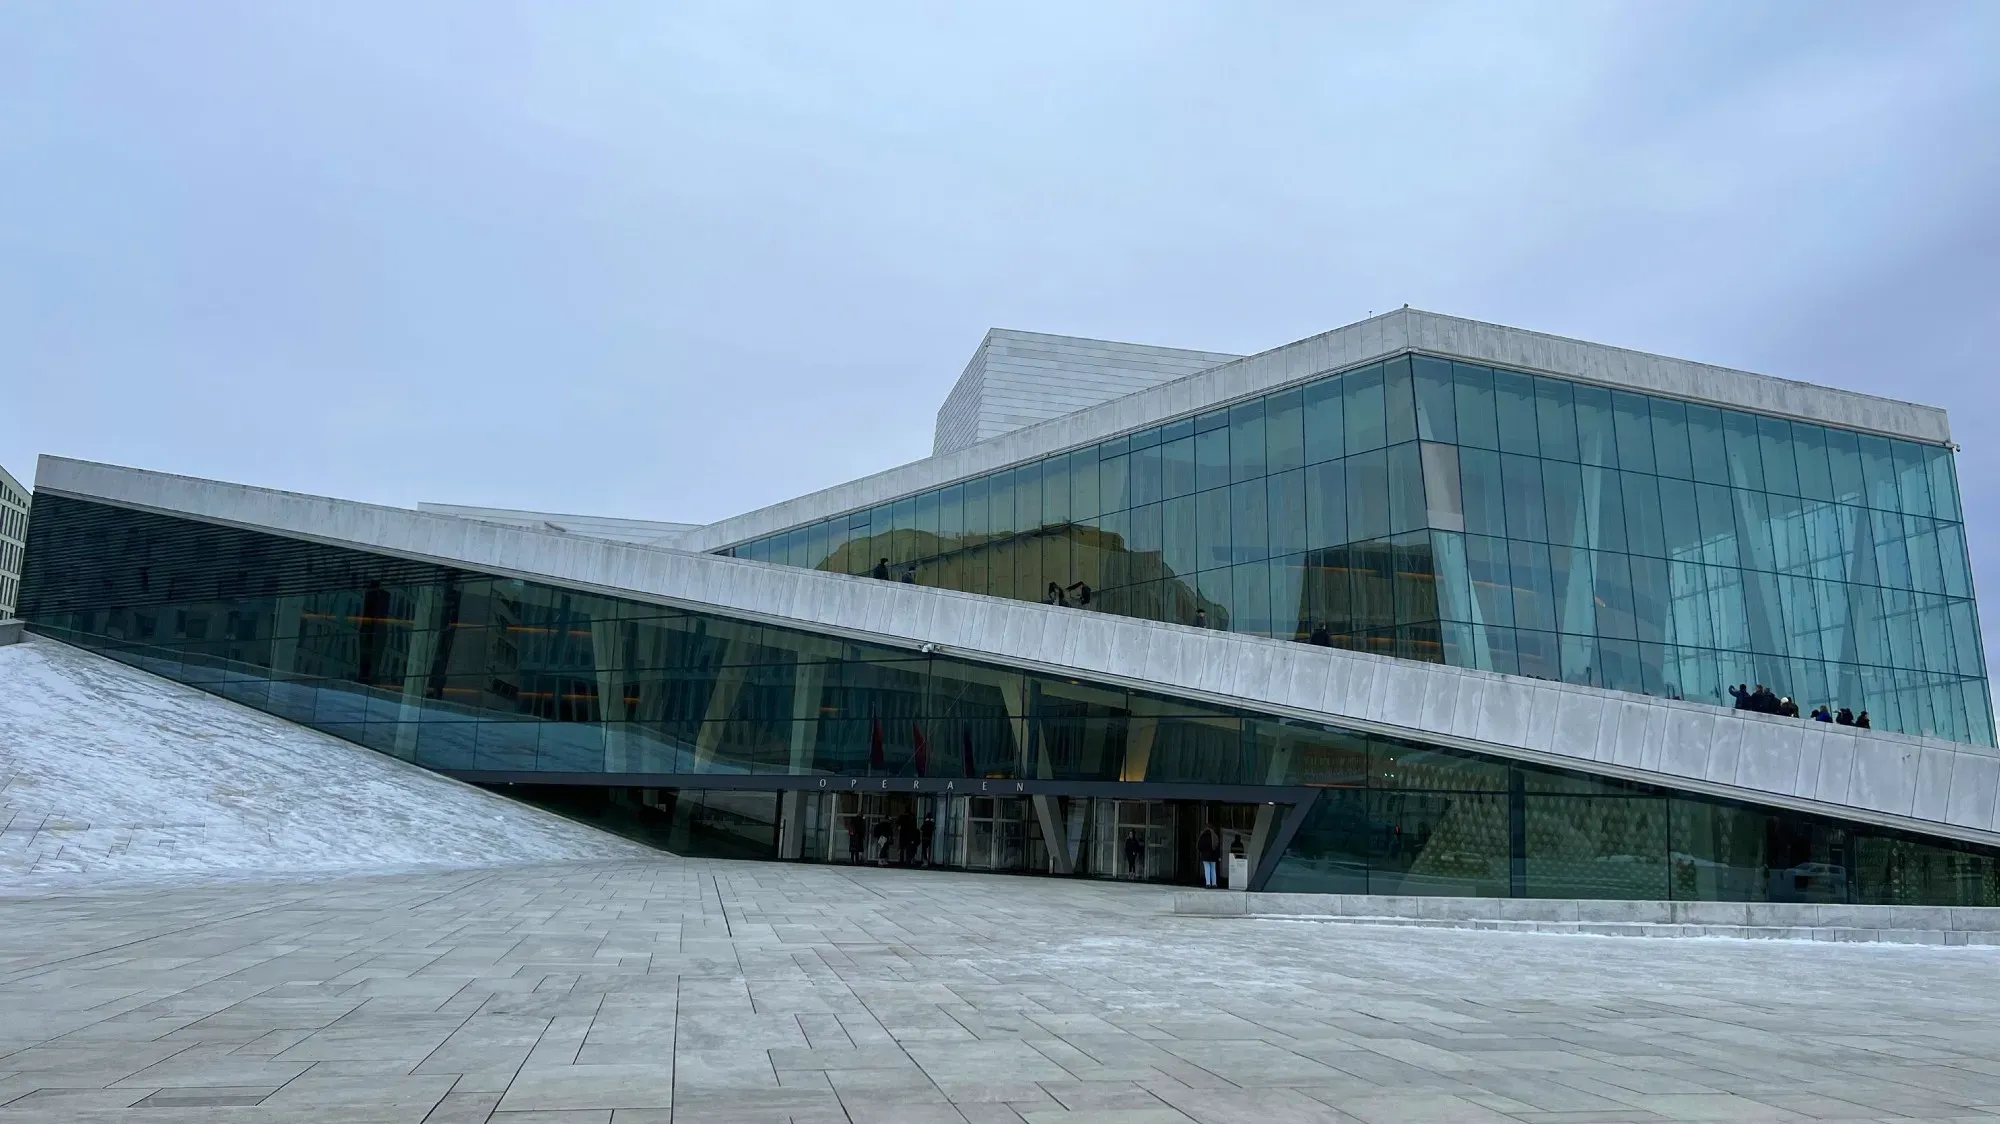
[(477, 675), (1487, 518)]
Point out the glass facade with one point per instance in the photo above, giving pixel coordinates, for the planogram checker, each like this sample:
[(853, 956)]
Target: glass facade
[(1487, 518), (478, 675)]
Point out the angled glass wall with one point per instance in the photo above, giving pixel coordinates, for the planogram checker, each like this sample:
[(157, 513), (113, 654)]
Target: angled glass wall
[(481, 675), (1487, 518), (478, 675)]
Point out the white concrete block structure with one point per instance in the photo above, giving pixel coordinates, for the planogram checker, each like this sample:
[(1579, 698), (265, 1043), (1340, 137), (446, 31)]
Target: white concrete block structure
[(1417, 607)]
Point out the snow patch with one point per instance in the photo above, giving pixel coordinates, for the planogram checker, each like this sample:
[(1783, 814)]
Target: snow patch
[(110, 771)]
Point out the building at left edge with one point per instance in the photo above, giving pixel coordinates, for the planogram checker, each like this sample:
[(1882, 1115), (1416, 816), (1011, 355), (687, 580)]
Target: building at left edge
[(1417, 606), (14, 504)]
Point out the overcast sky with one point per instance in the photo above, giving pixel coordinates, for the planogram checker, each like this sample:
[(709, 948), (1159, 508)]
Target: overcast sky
[(677, 262)]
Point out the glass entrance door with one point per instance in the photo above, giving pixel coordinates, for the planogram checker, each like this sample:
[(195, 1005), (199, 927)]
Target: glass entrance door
[(1150, 822)]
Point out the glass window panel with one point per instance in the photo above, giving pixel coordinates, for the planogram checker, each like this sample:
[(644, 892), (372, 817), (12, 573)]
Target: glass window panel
[(1595, 847), (1214, 419), (1514, 409), (1246, 441), (1680, 523), (1555, 413), (1753, 532), (1967, 658), (1145, 439), (1406, 488), (1287, 500), (903, 518), (1920, 538), (1478, 425), (1952, 560), (1290, 619), (1028, 497), (1562, 490), (1249, 522), (1521, 479), (1574, 586), (1143, 537), (1596, 435), (1326, 428), (1251, 610), (1843, 454), (1444, 509), (1416, 585), (1739, 440), (1603, 499), (1943, 483), (1326, 505), (1398, 402), (1368, 495), (1492, 581), (1083, 496), (1892, 559), (1212, 526), (1177, 467), (1912, 477), (1481, 491), (1284, 430), (1534, 600), (1643, 534), (1366, 424), (1633, 424), (1114, 483), (1614, 599), (1000, 522), (1374, 589), (1454, 592), (1211, 456), (1175, 430), (1809, 452), (1878, 468), (1145, 476), (817, 554), (1781, 474), (1437, 412), (1718, 525), (1180, 541), (1055, 490), (1706, 445), (1670, 439)]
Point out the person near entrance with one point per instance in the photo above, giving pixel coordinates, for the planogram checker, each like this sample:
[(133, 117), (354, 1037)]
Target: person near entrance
[(927, 834), (856, 839), (1134, 851), (885, 838), (1208, 849), (906, 825)]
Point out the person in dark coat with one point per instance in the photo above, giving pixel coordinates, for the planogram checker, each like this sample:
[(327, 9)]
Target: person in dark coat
[(881, 570), (1741, 693), (1082, 591), (910, 838), (1201, 618), (1787, 708), (1861, 721), (1845, 717), (856, 839), (1134, 851), (1054, 596), (910, 575), (1208, 849), (1321, 637), (927, 834)]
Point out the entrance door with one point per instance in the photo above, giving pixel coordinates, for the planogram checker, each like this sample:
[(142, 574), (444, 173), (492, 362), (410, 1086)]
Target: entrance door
[(995, 833), (1150, 821)]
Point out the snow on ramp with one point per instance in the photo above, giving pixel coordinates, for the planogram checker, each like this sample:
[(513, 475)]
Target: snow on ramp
[(107, 770)]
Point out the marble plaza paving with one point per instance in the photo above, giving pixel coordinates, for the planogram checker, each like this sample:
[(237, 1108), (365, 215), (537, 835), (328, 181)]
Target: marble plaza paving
[(697, 991)]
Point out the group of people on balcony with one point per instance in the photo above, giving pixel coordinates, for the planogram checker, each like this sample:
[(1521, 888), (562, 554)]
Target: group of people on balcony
[(1763, 700)]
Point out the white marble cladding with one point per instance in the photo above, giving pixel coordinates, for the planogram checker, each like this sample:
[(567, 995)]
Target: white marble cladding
[(1924, 784), (1389, 334), (1017, 379)]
